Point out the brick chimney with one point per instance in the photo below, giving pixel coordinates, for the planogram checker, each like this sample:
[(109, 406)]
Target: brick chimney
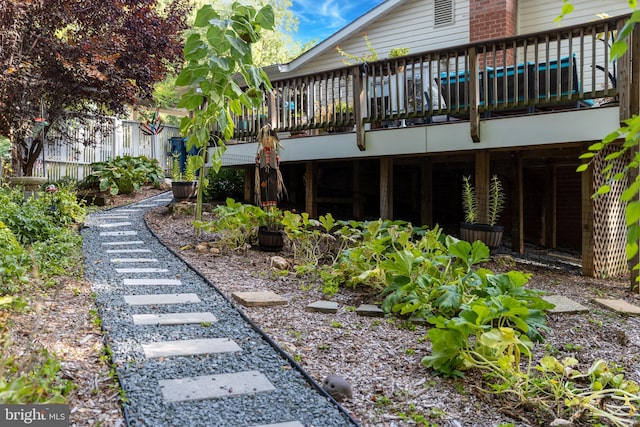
[(491, 19)]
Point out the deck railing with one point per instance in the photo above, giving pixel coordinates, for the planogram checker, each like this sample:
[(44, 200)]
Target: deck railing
[(564, 68)]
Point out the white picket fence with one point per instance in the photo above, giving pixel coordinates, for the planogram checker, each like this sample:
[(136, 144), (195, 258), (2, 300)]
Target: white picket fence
[(62, 158)]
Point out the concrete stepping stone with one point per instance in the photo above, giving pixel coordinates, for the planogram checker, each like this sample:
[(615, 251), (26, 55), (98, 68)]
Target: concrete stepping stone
[(323, 307), (618, 305), (127, 251), (213, 386), (114, 224), (118, 233), (161, 299), (123, 243), (129, 210), (151, 282), (173, 318), (113, 216), (289, 424), (141, 270), (189, 347), (564, 305), (148, 205), (370, 310), (132, 260), (259, 299)]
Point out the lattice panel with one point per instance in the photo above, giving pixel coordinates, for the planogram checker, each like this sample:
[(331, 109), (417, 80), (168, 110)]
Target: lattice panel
[(609, 228)]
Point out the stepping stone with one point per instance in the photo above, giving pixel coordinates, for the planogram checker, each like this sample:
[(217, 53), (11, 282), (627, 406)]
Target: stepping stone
[(132, 260), (259, 299), (289, 424), (323, 307), (141, 270), (370, 310), (127, 251), (118, 233), (213, 386), (148, 205), (113, 216), (564, 305), (173, 318), (151, 282), (159, 299), (129, 210), (189, 347), (124, 242), (114, 225), (618, 305)]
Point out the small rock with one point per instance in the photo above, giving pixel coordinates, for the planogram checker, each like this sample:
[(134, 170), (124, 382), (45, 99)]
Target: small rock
[(214, 251), (558, 422), (337, 387), (202, 248), (279, 262)]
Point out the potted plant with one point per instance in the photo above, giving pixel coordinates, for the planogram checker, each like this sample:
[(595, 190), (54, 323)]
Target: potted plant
[(270, 233), (183, 184), (471, 230)]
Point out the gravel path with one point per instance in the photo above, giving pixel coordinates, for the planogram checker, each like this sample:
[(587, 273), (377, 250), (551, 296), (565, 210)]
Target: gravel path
[(290, 396)]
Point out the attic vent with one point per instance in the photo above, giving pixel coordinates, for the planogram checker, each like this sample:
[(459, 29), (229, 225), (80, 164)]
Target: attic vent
[(442, 12)]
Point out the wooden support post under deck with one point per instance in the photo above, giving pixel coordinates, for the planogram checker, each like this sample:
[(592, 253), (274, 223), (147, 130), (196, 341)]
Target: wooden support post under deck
[(386, 188), (634, 108), (481, 184), (358, 207), (550, 223), (249, 177), (426, 199), (311, 204), (474, 96), (517, 205), (588, 252)]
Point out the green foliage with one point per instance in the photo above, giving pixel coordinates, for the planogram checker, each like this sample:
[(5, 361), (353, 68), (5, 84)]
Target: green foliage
[(470, 202), (220, 70), (227, 182), (34, 380), (12, 262), (235, 223), (125, 174), (190, 168)]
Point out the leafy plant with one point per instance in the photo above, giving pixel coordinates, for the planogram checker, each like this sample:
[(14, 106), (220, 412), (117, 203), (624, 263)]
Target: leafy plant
[(398, 51), (124, 174), (470, 202), (228, 182), (235, 223), (190, 169), (351, 58)]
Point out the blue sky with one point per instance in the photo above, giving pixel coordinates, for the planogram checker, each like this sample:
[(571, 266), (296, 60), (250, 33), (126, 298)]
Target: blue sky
[(318, 19)]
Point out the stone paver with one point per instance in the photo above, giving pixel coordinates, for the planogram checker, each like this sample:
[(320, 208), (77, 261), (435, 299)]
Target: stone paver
[(564, 305), (123, 243), (129, 210), (213, 386), (289, 424), (141, 270), (618, 305), (118, 233), (323, 307), (132, 260), (113, 216), (173, 318), (127, 251), (160, 299), (148, 205), (370, 310), (151, 282), (259, 299), (189, 347), (115, 224)]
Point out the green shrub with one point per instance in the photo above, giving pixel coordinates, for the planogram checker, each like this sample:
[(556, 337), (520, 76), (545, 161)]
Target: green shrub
[(124, 174), (227, 183)]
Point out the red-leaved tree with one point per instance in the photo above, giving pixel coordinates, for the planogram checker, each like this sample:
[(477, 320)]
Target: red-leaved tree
[(82, 56)]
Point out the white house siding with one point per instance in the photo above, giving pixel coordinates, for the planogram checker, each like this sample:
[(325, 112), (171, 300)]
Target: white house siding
[(410, 25), (539, 15)]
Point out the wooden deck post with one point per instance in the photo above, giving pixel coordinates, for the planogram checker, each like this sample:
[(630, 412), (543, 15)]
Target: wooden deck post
[(358, 110), (634, 109), (426, 193), (481, 183), (517, 205), (386, 188), (588, 252), (310, 204), (474, 95), (249, 177), (550, 223), (358, 207)]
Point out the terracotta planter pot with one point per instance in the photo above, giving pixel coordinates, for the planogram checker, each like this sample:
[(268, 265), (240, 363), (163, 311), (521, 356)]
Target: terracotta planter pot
[(487, 234), (270, 240), (184, 190)]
